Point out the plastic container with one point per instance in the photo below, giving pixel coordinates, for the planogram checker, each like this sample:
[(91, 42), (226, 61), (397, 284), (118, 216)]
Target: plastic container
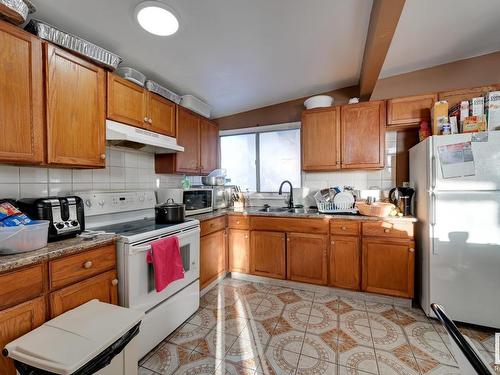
[(131, 75), (196, 105), (24, 238), (318, 101)]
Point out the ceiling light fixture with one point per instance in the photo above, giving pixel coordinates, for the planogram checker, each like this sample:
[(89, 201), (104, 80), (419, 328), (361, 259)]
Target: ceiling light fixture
[(156, 18)]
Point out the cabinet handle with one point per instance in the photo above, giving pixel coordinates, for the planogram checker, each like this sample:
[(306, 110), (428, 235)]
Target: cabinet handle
[(333, 242), (150, 120), (103, 156), (343, 228), (237, 221), (246, 236), (146, 119), (87, 264), (387, 230), (412, 250), (114, 282)]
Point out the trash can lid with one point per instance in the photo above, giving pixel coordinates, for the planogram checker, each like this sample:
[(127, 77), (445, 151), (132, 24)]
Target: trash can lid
[(71, 340)]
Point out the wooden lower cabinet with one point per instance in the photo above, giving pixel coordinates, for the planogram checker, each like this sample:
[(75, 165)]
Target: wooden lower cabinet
[(267, 254), (17, 321), (239, 250), (307, 256), (345, 262), (212, 257), (388, 266), (102, 287)]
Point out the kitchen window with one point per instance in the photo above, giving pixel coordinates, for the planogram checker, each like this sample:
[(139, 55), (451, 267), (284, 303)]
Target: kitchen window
[(260, 160)]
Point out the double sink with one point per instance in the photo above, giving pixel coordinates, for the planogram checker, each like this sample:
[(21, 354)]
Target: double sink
[(289, 210)]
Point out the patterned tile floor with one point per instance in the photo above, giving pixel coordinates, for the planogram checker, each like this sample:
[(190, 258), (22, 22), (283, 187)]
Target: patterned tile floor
[(249, 328)]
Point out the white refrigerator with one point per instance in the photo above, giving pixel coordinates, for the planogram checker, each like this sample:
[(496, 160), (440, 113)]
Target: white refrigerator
[(458, 231)]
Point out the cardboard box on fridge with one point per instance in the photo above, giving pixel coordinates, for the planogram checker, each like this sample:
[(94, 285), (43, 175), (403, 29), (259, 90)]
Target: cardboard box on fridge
[(493, 110), (439, 115)]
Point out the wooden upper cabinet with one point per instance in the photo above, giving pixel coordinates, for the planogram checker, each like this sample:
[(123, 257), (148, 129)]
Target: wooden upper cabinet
[(188, 136), (76, 99), (127, 102), (307, 258), (388, 266), (456, 96), (14, 323), (345, 262), (363, 135), (320, 138), (239, 250), (21, 96), (267, 254), (408, 112), (212, 257), (209, 136), (161, 118)]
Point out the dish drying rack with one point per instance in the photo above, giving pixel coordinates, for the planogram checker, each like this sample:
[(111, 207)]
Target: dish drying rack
[(326, 207)]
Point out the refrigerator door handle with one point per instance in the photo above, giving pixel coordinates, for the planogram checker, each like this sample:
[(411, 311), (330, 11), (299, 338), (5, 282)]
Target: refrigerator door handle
[(433, 172), (433, 209)]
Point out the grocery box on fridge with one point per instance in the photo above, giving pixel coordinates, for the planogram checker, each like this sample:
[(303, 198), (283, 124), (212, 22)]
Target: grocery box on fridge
[(493, 110)]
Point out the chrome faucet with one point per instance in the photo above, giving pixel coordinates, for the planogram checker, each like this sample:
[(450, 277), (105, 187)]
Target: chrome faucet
[(280, 192)]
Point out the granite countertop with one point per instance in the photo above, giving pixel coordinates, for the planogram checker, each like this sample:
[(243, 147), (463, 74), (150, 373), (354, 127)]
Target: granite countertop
[(53, 250), (254, 211)]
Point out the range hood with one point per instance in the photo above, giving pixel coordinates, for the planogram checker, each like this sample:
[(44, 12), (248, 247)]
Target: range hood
[(119, 134)]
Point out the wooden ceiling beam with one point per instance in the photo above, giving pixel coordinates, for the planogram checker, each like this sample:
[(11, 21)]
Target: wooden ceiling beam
[(384, 19)]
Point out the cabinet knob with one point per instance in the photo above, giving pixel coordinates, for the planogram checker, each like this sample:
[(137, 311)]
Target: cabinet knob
[(343, 228), (412, 250), (114, 282), (387, 230), (237, 221), (150, 120), (88, 264), (146, 119), (102, 156), (246, 235)]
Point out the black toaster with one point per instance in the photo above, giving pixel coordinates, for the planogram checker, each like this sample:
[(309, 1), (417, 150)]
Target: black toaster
[(66, 214)]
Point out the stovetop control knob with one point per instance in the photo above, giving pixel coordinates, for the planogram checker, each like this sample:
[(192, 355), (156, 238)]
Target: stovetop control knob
[(88, 203), (141, 198), (101, 203)]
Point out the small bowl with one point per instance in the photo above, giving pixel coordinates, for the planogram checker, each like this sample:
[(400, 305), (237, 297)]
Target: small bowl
[(319, 101)]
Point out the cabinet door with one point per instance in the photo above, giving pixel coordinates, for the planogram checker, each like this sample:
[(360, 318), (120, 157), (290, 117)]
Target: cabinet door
[(363, 132), (320, 137), (267, 254), (212, 257), (188, 136), (102, 287), (239, 250), (14, 323), (21, 96), (76, 98), (209, 136), (345, 262), (127, 102), (307, 259), (161, 115), (388, 266), (408, 112)]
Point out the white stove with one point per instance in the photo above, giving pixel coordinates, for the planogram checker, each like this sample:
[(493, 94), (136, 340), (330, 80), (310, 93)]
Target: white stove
[(130, 215)]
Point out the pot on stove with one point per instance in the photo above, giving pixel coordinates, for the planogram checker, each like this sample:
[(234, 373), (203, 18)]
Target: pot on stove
[(170, 212)]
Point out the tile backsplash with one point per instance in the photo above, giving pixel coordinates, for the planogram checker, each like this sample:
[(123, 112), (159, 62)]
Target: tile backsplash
[(126, 169)]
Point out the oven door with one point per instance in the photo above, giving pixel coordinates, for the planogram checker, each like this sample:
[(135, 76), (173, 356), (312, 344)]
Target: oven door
[(139, 285), (198, 201)]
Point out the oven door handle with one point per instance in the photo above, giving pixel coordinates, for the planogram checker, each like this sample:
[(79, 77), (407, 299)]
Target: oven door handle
[(140, 249)]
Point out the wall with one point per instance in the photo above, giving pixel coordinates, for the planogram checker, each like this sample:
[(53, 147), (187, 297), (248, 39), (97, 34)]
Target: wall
[(126, 169), (468, 73)]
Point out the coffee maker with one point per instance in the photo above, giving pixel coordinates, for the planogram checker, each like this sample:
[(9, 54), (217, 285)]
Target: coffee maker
[(402, 198)]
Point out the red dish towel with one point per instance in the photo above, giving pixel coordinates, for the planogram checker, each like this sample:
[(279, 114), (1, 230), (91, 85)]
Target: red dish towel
[(165, 255)]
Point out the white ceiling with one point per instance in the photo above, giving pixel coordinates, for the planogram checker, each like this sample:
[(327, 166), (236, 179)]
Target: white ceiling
[(431, 33), (234, 54)]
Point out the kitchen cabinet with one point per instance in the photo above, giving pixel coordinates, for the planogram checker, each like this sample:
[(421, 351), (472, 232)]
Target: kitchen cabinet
[(239, 250), (133, 105), (209, 137), (103, 287), (320, 139), (267, 254), (307, 258), (407, 112), (199, 137), (388, 266), (363, 135), (212, 257), (76, 97), (345, 262), (21, 96), (17, 321)]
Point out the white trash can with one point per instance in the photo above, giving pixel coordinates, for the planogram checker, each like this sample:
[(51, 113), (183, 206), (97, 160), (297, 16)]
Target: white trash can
[(94, 338)]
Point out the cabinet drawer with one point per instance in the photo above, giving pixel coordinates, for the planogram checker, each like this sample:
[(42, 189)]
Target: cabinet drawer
[(238, 222), (344, 227), (80, 266), (20, 286), (280, 224), (385, 229), (213, 225)]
